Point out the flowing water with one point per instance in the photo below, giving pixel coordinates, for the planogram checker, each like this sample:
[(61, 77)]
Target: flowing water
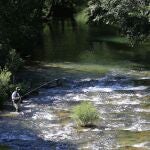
[(121, 95), (44, 123)]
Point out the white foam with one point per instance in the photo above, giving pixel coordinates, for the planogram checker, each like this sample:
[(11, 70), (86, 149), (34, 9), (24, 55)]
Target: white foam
[(142, 110), (43, 115), (125, 102), (147, 78), (96, 99), (116, 96), (96, 130), (142, 145), (30, 106), (138, 127), (77, 98), (58, 133), (96, 89), (139, 95), (136, 88), (86, 79), (113, 88)]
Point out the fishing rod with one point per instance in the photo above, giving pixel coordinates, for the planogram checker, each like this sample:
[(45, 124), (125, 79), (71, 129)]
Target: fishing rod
[(58, 83)]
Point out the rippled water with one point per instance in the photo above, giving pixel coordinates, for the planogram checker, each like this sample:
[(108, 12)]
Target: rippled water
[(45, 122)]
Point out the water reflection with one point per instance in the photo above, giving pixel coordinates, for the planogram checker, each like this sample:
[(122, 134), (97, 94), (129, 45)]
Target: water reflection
[(68, 40)]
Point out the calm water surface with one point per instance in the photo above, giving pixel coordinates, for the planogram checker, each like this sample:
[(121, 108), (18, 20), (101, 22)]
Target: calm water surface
[(68, 41)]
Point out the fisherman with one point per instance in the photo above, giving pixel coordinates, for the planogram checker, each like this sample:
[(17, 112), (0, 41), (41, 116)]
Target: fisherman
[(16, 99)]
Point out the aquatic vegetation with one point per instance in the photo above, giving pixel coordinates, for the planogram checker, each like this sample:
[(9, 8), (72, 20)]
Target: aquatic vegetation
[(85, 114)]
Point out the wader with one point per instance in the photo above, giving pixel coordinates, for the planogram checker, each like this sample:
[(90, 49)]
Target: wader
[(16, 100)]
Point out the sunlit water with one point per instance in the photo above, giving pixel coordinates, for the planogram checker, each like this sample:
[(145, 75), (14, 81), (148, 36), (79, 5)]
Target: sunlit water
[(119, 101)]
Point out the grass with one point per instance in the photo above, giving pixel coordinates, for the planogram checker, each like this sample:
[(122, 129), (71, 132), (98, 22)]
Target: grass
[(85, 114)]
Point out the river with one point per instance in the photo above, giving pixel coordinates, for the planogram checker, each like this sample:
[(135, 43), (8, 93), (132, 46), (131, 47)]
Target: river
[(106, 71)]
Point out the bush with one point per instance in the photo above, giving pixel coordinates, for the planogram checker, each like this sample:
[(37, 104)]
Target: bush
[(85, 114), (14, 61), (4, 85), (4, 77)]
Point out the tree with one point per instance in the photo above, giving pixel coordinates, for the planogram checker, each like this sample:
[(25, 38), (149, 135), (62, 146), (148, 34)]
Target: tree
[(20, 23), (132, 16), (59, 8), (13, 63), (4, 50), (4, 83)]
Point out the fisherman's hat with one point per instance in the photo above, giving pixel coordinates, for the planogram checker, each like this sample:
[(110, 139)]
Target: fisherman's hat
[(17, 89)]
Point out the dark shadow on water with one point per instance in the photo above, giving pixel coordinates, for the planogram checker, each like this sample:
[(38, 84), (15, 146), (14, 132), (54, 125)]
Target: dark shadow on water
[(18, 137)]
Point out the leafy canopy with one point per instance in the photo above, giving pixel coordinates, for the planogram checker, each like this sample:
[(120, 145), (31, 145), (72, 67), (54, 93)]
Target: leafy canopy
[(132, 16), (20, 23)]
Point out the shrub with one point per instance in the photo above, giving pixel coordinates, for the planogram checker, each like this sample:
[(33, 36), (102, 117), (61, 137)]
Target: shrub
[(14, 61), (85, 114), (4, 85), (4, 77)]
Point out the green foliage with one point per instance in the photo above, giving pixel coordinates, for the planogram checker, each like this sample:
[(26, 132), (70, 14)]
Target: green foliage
[(23, 86), (4, 50), (4, 77), (85, 114), (21, 23), (133, 17), (4, 85), (14, 61), (6, 88)]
